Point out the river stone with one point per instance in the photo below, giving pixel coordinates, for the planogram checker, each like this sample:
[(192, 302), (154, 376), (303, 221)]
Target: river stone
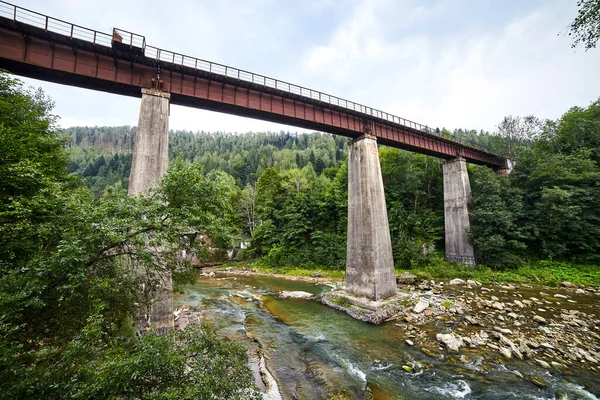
[(453, 343), (409, 342), (519, 303), (537, 381), (580, 291), (498, 306), (295, 294), (505, 331), (406, 278), (421, 306), (539, 319), (542, 363), (568, 284), (505, 351), (457, 282), (513, 347), (560, 296)]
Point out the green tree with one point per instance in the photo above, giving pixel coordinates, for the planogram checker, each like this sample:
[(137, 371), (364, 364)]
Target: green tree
[(496, 207), (585, 29), (67, 293)]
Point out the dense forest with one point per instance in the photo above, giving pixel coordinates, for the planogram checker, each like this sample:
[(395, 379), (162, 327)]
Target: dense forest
[(68, 292), (291, 190)]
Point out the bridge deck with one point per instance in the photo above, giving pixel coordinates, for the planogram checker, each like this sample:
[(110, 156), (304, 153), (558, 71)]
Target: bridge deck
[(41, 47)]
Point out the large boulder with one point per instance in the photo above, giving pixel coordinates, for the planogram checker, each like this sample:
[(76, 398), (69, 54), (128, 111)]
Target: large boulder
[(296, 294)]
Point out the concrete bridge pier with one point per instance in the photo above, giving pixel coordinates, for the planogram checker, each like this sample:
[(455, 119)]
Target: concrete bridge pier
[(457, 195), (150, 162), (151, 149), (506, 169), (369, 263)]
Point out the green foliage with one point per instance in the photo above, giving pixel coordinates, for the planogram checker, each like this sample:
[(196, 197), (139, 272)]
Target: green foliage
[(497, 237), (68, 294), (544, 272), (414, 195), (192, 364), (585, 29)]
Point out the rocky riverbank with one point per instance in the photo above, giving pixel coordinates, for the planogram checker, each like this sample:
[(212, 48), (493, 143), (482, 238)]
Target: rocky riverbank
[(185, 315), (484, 334), (555, 328)]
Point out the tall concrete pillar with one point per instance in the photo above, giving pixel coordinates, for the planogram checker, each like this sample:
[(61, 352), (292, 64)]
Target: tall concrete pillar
[(151, 150), (369, 263), (150, 162), (457, 194)]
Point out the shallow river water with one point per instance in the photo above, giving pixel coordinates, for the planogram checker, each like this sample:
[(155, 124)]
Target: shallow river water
[(315, 352)]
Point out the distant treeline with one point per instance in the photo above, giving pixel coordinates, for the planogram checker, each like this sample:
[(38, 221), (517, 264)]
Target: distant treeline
[(102, 155), (291, 190)]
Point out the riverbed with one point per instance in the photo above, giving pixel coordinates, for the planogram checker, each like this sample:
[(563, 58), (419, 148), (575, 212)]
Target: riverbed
[(316, 352)]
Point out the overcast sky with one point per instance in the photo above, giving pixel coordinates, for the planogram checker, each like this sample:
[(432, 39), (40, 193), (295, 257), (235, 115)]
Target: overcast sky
[(447, 63)]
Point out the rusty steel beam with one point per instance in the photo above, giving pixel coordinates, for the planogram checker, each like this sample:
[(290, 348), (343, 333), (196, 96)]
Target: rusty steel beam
[(38, 53)]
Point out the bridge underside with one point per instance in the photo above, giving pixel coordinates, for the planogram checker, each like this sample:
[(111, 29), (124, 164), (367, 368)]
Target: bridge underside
[(33, 52)]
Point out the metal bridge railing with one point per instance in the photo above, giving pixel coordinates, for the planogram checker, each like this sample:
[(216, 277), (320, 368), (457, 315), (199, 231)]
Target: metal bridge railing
[(55, 25)]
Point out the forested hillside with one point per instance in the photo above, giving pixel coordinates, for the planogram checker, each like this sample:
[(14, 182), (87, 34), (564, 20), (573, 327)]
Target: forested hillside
[(291, 190)]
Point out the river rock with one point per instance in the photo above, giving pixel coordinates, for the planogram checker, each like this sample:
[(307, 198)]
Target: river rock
[(519, 303), (542, 363), (295, 294), (471, 282), (457, 282), (498, 306), (453, 343), (421, 306), (505, 331), (580, 291), (537, 381), (409, 342), (512, 346), (568, 284), (539, 319), (560, 296), (505, 351), (406, 278), (557, 365)]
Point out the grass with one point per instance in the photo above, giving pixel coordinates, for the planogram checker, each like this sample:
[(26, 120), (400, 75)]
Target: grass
[(545, 272), (333, 274)]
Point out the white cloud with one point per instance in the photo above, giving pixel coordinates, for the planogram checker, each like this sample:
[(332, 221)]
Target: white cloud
[(463, 79)]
